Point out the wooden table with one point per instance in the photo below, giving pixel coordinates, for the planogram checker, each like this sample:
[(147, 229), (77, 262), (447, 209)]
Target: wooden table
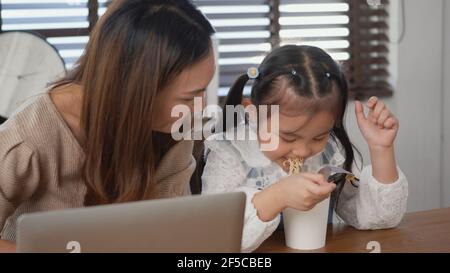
[(426, 231)]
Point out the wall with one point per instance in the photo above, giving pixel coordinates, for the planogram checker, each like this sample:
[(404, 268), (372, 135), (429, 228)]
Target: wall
[(446, 109), (418, 77)]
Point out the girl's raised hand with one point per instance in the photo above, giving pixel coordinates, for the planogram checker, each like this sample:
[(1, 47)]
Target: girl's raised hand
[(380, 127)]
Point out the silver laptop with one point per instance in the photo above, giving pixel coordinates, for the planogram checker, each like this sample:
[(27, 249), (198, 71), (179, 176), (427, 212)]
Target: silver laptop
[(202, 223)]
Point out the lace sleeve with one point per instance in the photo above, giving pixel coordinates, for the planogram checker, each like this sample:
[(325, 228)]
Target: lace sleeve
[(224, 172), (373, 205)]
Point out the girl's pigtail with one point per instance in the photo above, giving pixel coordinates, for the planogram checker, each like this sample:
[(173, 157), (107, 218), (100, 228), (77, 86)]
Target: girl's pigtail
[(234, 98), (339, 129), (341, 134)]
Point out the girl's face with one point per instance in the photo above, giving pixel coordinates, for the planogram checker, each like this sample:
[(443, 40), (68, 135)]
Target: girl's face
[(191, 83), (300, 136)]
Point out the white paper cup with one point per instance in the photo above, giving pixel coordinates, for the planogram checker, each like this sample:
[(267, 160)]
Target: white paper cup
[(306, 230)]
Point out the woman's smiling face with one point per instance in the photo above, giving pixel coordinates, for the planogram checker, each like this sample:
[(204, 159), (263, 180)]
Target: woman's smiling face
[(300, 136), (190, 84)]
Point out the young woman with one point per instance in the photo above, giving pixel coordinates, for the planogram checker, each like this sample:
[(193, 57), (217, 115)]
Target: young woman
[(102, 134)]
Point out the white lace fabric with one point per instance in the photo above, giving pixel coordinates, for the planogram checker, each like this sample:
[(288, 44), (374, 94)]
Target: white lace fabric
[(239, 165)]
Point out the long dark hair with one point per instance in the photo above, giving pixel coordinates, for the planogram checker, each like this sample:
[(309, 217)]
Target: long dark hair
[(136, 49), (312, 74)]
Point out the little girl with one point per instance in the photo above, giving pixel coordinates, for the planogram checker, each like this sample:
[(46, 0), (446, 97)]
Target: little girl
[(312, 95)]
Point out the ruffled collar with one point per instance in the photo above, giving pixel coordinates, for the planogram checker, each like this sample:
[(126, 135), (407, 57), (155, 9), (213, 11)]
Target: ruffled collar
[(249, 147), (250, 152)]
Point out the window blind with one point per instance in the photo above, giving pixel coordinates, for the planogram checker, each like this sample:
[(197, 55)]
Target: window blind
[(354, 32)]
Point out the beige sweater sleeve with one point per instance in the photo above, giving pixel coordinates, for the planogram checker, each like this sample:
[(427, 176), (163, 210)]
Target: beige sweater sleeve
[(19, 174)]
